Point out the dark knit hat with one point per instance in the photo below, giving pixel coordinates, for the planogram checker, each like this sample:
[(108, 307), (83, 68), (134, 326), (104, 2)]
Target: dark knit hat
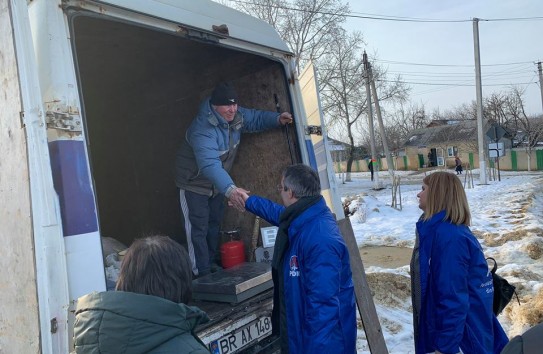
[(224, 95)]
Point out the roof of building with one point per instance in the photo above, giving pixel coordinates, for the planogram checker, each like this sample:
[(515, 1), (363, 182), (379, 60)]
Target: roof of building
[(436, 134)]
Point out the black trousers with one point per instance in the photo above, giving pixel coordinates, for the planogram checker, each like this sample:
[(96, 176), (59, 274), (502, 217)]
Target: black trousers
[(202, 216)]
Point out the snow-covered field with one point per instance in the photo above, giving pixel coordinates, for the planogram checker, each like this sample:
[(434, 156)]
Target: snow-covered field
[(506, 217)]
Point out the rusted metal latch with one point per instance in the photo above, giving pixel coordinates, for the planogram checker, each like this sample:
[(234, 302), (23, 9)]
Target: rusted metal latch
[(313, 129), (64, 121)]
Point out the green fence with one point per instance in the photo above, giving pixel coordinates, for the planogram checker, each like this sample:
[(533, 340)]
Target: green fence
[(514, 162), (539, 157)]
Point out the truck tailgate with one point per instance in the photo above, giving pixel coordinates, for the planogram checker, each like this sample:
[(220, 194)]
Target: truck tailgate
[(234, 327)]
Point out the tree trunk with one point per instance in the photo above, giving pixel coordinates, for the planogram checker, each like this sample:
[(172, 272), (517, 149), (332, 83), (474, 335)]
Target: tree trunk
[(349, 167)]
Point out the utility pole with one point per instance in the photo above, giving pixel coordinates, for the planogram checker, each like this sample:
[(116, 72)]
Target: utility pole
[(540, 81), (479, 93), (390, 163), (370, 123)]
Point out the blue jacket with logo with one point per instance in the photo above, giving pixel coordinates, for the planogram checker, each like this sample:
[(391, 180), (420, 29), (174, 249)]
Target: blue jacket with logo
[(318, 288), (208, 152), (456, 292)]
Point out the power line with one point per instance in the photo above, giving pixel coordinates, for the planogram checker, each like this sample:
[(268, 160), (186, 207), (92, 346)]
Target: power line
[(400, 18), (387, 17), (518, 72), (449, 87), (430, 78), (514, 19), (414, 19), (461, 79), (449, 65), (458, 74), (457, 84)]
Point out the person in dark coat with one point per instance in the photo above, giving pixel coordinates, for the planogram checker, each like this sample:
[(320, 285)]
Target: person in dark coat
[(531, 342), (458, 164), (147, 313)]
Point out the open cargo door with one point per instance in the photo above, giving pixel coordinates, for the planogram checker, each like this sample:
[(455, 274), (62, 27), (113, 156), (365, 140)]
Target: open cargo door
[(315, 127), (323, 163), (36, 206), (17, 262)]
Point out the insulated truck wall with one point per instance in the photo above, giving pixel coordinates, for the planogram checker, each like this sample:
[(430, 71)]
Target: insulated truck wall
[(95, 99)]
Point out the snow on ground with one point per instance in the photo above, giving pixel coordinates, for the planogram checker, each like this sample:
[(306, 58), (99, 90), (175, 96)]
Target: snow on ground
[(506, 218)]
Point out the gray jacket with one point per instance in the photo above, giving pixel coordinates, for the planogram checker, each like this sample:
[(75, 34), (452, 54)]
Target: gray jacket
[(210, 146)]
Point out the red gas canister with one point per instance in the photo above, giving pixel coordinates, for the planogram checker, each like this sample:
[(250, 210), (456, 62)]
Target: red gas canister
[(232, 253)]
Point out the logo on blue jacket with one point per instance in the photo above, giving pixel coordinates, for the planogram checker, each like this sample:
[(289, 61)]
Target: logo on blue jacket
[(294, 272)]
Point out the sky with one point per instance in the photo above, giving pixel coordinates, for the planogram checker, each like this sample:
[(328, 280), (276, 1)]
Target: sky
[(506, 217), (399, 45), (446, 78)]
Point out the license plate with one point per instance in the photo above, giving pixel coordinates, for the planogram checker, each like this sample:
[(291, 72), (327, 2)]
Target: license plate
[(242, 337)]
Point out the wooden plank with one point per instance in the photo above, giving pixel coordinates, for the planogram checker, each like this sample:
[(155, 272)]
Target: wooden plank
[(364, 299)]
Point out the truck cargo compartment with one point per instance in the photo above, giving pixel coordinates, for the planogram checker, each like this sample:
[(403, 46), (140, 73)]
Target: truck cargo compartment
[(141, 88)]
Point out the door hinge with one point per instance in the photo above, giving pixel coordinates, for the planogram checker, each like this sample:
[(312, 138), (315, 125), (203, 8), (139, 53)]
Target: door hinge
[(313, 129), (64, 121), (22, 118), (54, 325)]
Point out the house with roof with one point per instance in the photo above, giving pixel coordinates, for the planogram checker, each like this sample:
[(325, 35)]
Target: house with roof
[(442, 140), (339, 151), (436, 145)]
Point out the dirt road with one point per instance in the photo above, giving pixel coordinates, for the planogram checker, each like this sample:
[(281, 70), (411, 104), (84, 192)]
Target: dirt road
[(385, 256)]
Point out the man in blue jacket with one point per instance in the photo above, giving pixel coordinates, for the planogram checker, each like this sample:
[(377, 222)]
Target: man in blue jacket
[(314, 304), (202, 166)]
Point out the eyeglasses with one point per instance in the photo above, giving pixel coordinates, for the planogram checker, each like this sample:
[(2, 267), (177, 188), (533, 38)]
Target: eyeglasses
[(280, 188)]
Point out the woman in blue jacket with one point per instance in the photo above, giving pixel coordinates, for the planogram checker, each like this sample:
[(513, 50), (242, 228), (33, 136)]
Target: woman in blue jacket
[(451, 285)]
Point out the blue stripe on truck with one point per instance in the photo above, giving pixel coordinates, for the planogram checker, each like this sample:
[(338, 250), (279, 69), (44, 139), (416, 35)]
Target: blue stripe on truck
[(72, 183), (311, 154)]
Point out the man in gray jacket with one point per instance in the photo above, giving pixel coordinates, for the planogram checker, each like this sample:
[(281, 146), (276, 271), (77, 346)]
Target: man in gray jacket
[(202, 169)]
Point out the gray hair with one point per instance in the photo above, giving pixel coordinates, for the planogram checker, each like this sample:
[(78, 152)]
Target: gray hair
[(302, 180)]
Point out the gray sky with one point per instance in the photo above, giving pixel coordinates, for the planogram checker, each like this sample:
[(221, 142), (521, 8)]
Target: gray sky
[(449, 80), (501, 42)]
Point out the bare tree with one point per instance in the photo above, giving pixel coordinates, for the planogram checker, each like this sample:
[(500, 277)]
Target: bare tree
[(494, 108), (313, 30), (343, 90), (464, 111), (403, 121), (527, 131), (308, 26), (271, 11), (506, 109)]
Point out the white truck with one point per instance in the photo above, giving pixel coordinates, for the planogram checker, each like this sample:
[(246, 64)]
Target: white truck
[(95, 99)]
